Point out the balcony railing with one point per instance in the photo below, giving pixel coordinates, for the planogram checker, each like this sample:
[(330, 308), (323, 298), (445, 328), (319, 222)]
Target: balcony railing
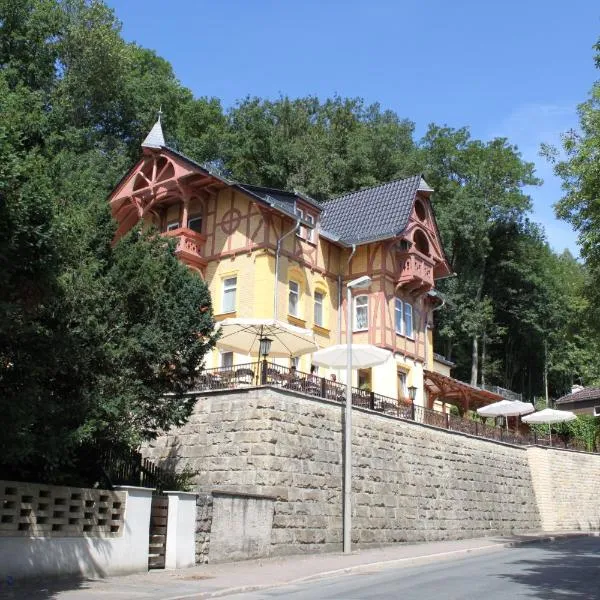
[(268, 373), (507, 394), (416, 270), (190, 247)]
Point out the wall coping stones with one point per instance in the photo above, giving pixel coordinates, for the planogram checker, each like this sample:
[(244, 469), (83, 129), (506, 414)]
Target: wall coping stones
[(325, 401), (242, 495), (573, 450)]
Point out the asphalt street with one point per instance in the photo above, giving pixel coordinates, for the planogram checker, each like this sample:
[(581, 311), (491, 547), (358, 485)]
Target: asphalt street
[(565, 570)]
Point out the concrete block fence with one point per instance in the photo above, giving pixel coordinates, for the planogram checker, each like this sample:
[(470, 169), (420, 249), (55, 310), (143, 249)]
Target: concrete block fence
[(50, 530)]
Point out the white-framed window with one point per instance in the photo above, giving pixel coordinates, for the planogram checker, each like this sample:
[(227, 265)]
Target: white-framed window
[(229, 293), (195, 224), (319, 301), (295, 362), (408, 320), (227, 359), (361, 312), (398, 316), (310, 230), (294, 299), (172, 225)]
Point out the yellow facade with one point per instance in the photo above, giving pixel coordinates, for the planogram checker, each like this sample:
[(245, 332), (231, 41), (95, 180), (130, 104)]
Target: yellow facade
[(258, 249)]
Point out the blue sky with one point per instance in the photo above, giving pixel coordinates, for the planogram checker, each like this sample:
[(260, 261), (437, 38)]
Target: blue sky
[(510, 68)]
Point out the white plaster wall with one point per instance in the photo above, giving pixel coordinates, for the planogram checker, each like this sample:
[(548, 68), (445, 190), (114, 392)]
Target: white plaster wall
[(241, 527), (23, 557), (181, 530)]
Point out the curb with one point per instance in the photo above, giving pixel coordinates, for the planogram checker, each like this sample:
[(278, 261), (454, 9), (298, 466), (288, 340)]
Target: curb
[(375, 566)]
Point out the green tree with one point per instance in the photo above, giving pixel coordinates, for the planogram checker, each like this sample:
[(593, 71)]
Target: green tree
[(98, 343), (321, 148), (478, 186)]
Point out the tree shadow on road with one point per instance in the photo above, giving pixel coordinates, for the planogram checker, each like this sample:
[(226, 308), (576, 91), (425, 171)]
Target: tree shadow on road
[(564, 571)]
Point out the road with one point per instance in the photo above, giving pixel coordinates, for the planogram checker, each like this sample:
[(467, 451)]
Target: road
[(569, 569)]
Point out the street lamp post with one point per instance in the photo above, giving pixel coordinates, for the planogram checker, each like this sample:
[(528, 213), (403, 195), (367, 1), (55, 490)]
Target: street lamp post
[(356, 284)]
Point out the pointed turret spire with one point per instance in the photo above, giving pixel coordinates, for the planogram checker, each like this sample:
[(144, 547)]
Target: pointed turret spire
[(155, 139)]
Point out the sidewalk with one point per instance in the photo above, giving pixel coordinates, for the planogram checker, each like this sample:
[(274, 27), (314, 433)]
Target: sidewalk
[(213, 581)]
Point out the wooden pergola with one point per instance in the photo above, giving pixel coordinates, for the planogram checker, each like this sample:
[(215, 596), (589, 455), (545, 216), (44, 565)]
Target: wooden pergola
[(446, 389)]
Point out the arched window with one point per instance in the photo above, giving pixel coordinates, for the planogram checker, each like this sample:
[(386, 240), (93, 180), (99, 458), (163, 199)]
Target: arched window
[(420, 211), (420, 242), (320, 312), (293, 298)]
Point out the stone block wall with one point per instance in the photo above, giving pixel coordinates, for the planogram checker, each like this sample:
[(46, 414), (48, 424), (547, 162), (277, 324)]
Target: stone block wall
[(204, 510), (567, 488), (410, 482)]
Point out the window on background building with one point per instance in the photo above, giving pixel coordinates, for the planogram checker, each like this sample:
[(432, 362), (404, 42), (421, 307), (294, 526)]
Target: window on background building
[(361, 312), (398, 315), (229, 293), (295, 362), (195, 224), (408, 320), (172, 225), (310, 230), (294, 299), (227, 359), (319, 298)]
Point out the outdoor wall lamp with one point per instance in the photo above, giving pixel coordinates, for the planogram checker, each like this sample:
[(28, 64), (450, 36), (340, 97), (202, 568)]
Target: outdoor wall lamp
[(412, 393)]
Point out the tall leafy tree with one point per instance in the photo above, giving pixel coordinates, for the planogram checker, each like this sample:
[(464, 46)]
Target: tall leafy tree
[(98, 342), (478, 186), (322, 148)]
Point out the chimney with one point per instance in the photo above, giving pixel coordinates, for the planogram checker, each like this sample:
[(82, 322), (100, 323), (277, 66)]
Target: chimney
[(576, 388)]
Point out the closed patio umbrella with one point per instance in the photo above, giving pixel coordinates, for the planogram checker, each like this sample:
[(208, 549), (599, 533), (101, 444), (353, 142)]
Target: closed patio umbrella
[(244, 335), (550, 416)]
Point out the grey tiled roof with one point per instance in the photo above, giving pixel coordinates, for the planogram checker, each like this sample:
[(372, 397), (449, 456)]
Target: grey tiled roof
[(591, 393), (372, 213), (282, 200)]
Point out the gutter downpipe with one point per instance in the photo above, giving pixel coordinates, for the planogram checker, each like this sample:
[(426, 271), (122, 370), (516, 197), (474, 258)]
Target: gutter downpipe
[(427, 365), (277, 251), (340, 295)]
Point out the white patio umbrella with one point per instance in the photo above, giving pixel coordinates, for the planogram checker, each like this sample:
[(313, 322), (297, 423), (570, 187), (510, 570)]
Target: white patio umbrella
[(550, 416), (244, 335), (506, 408), (363, 356)]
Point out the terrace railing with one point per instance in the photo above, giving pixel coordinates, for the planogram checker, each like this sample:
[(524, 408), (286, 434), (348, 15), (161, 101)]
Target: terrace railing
[(268, 373)]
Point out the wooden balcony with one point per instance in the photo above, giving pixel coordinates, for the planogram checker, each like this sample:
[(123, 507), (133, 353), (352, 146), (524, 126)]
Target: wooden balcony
[(190, 248), (416, 272)]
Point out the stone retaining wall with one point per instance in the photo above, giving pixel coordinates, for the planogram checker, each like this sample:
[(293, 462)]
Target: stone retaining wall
[(410, 482), (567, 488)]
